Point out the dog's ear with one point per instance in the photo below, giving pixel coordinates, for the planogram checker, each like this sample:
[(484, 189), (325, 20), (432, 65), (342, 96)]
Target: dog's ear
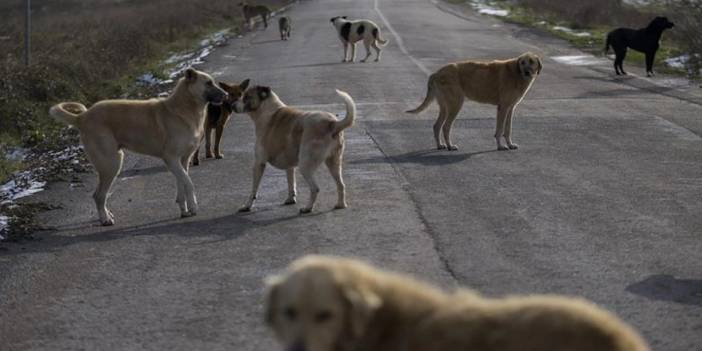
[(270, 303), (244, 84), (538, 62), (190, 74), (224, 86), (264, 92), (361, 306)]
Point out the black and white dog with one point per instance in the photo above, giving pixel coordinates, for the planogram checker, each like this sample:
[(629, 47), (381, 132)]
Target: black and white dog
[(643, 40), (351, 32)]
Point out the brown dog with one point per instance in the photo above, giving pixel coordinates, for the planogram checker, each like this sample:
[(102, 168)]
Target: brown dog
[(170, 129), (500, 83), (334, 304), (287, 138), (217, 118)]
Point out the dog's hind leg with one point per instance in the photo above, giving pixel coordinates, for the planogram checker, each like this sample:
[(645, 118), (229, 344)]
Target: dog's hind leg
[(508, 129), (620, 55), (292, 188), (334, 164), (502, 112), (439, 124), (367, 43), (309, 162), (108, 164), (346, 51), (258, 169), (454, 106), (377, 50)]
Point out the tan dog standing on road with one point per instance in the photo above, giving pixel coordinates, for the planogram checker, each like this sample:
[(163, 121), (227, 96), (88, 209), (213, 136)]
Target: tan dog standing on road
[(287, 138), (334, 304), (170, 129), (500, 83), (284, 27)]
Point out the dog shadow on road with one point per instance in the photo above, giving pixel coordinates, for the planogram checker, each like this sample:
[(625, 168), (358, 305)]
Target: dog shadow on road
[(219, 229), (665, 287), (424, 157)]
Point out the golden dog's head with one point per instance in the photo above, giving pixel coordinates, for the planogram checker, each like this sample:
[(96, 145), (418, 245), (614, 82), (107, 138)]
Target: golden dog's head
[(202, 86), (529, 65), (318, 305), (253, 98)]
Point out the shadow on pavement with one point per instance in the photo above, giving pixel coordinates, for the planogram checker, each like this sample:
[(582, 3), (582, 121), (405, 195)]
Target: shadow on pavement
[(424, 157), (665, 287)]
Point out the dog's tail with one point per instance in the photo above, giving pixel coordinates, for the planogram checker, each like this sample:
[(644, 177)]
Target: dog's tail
[(350, 113), (61, 112), (428, 99), (607, 44), (376, 35)]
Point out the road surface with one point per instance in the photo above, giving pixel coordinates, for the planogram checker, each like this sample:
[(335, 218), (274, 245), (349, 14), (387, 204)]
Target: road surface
[(602, 200)]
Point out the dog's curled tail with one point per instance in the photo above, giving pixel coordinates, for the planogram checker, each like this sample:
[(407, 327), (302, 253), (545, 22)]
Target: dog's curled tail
[(376, 35), (428, 99), (68, 112), (350, 113)]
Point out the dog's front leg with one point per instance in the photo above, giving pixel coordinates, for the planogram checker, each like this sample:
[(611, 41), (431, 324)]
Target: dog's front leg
[(258, 169), (186, 191), (508, 129), (500, 126), (346, 51), (292, 191), (353, 52)]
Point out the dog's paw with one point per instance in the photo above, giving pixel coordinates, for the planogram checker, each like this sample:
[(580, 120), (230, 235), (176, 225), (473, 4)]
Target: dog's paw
[(441, 147), (502, 148), (452, 147), (340, 206), (187, 214), (108, 222), (244, 209), (208, 155), (219, 156), (305, 210), (513, 146), (290, 201)]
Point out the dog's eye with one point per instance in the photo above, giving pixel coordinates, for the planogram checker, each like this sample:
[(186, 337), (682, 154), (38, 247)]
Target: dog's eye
[(322, 316), (290, 313)]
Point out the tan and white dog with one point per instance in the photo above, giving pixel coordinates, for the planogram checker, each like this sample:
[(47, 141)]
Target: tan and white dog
[(350, 32), (169, 128), (323, 303), (500, 83), (288, 138)]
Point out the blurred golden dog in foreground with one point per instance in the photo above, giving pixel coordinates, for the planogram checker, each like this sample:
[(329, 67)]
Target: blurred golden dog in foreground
[(325, 303)]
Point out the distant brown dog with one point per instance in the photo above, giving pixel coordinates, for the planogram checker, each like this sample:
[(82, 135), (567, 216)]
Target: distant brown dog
[(170, 129), (501, 83), (217, 118), (287, 138), (251, 11), (284, 27), (334, 304)]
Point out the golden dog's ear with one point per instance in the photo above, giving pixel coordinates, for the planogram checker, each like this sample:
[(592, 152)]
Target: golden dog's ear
[(538, 61), (224, 86), (362, 305), (271, 298)]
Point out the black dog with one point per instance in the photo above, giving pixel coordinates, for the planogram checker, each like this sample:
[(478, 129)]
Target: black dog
[(643, 40)]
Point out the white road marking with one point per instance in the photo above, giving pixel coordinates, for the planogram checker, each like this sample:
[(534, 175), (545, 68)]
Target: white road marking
[(400, 42), (579, 60)]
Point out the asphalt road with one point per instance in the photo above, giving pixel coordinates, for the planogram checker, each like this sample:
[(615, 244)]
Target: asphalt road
[(602, 200)]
